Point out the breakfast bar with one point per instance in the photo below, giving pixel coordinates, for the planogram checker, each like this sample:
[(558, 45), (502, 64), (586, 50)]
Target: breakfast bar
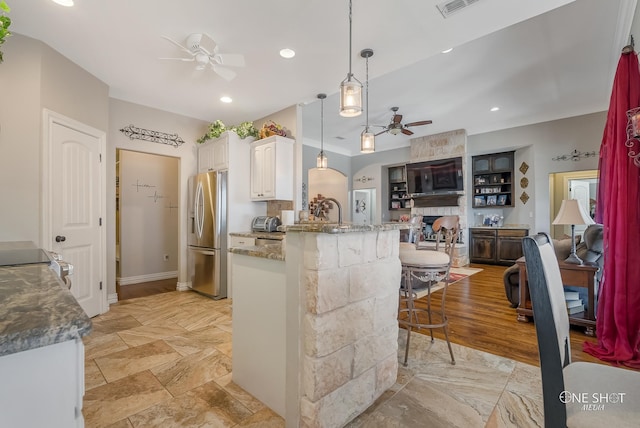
[(332, 326)]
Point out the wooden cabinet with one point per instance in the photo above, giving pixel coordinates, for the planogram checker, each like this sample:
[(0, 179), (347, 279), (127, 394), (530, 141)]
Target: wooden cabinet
[(496, 245), (398, 195), (493, 180), (272, 169), (214, 154), (572, 275)]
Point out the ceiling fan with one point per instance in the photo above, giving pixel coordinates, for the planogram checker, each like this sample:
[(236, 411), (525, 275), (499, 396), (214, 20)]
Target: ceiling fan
[(203, 50), (395, 126)]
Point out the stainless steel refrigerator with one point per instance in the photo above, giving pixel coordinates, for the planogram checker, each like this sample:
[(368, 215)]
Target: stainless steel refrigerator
[(208, 233)]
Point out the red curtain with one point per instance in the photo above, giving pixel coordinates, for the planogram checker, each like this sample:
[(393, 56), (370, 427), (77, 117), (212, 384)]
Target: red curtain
[(618, 312)]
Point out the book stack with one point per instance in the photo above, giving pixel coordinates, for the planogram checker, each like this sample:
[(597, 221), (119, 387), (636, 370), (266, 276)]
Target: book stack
[(573, 302)]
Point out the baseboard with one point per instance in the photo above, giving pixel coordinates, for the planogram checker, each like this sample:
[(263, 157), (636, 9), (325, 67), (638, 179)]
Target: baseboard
[(183, 286), (147, 278), (112, 298)]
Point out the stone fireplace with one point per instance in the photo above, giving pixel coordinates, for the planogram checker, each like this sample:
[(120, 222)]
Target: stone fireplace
[(441, 146)]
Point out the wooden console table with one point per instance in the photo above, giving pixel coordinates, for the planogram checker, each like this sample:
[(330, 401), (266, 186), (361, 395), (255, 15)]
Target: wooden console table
[(574, 275)]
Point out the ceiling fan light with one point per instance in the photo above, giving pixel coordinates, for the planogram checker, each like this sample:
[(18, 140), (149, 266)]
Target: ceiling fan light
[(367, 142), (394, 131), (350, 97)]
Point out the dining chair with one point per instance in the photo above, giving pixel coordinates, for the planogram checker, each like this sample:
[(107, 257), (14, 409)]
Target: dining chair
[(422, 271), (579, 394)]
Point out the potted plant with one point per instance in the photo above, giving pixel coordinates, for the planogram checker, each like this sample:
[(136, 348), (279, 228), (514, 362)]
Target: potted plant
[(244, 130), (5, 22)]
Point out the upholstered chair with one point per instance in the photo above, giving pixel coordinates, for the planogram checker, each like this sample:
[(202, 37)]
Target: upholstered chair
[(577, 394)]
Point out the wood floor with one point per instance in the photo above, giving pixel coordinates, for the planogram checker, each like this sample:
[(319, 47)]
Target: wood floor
[(479, 317), (143, 289)]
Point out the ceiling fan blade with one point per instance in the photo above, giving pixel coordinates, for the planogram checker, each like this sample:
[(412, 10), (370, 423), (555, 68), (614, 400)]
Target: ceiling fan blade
[(178, 45), (397, 118), (230, 60), (421, 122), (381, 132), (406, 132), (223, 72), (181, 59)]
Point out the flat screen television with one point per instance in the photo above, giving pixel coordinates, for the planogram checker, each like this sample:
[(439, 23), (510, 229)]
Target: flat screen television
[(435, 177)]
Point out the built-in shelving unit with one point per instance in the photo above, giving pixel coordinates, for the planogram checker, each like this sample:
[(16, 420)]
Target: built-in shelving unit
[(398, 196), (493, 180)]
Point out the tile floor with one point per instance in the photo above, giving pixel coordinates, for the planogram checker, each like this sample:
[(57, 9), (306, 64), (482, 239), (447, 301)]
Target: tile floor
[(165, 361)]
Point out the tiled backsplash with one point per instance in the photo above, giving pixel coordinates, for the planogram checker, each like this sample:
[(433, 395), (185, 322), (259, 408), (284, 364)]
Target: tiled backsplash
[(275, 207)]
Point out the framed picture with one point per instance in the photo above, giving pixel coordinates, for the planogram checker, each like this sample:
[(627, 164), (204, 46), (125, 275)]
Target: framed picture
[(502, 199), (492, 199), (479, 201)]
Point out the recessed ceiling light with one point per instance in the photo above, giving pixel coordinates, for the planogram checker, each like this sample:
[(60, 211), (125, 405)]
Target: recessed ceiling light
[(287, 53), (447, 50), (495, 108), (226, 99), (67, 3)]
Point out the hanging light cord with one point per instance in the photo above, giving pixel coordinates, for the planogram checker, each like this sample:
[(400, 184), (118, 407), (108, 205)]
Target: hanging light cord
[(367, 94), (322, 126), (350, 74)]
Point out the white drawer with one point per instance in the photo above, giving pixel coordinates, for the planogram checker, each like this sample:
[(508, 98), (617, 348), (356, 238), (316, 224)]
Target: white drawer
[(241, 241)]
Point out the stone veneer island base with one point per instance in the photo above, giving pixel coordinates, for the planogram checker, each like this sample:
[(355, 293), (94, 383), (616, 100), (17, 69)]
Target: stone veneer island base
[(341, 317)]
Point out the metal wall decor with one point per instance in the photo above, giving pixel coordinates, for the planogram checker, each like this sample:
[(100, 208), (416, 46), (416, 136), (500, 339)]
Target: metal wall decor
[(575, 156), (524, 182), (135, 133), (524, 167), (524, 197), (364, 179), (633, 135)]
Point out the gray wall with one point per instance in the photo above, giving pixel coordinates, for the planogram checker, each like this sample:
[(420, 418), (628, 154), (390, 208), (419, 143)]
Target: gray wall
[(34, 77)]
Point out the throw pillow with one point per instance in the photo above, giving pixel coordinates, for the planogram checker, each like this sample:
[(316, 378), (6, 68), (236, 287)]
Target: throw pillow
[(562, 247)]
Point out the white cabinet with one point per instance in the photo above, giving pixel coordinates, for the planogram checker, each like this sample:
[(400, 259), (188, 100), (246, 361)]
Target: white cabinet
[(43, 387), (272, 169), (214, 154)]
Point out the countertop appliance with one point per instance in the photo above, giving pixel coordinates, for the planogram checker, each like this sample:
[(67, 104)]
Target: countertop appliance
[(208, 233), (265, 224), (21, 253)]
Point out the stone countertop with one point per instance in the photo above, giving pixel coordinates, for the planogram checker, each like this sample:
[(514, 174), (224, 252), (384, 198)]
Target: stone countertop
[(268, 251), (263, 235), (325, 227), (506, 226), (37, 310)]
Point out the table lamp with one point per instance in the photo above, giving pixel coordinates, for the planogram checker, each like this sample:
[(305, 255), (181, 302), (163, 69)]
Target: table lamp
[(572, 213)]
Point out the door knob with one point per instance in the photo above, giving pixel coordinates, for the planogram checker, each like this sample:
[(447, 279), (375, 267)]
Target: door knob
[(60, 238)]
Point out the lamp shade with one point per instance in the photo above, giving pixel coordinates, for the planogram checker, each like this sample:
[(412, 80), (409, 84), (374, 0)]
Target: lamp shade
[(367, 141), (350, 97), (571, 212), (321, 161)]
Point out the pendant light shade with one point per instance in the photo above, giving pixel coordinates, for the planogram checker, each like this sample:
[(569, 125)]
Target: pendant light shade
[(350, 88), (367, 138), (367, 141), (322, 161)]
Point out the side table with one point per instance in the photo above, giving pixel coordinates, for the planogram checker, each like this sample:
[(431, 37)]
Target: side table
[(574, 275)]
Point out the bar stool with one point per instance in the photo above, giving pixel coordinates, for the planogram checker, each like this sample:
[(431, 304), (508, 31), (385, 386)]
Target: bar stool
[(422, 271)]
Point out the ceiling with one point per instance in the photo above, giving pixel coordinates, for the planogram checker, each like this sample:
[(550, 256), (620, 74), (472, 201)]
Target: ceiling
[(537, 61)]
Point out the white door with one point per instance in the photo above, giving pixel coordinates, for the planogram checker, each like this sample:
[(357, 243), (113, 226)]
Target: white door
[(75, 195), (579, 189)]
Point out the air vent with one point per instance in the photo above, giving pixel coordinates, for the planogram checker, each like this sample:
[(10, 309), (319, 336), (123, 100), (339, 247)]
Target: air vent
[(339, 138), (448, 8)]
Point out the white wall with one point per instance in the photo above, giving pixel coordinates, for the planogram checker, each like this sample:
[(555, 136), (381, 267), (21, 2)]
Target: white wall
[(34, 77), (121, 114), (148, 215)]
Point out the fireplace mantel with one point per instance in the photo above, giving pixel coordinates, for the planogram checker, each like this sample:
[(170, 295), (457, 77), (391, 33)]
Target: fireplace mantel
[(437, 201)]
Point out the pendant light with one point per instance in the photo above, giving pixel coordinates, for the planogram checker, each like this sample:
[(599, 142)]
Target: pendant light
[(321, 160), (367, 138), (350, 88)]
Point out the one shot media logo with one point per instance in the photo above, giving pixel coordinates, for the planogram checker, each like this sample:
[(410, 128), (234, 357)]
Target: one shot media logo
[(592, 401)]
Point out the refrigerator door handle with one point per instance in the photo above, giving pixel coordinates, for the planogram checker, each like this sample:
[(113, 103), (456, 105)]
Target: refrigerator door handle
[(205, 252), (198, 209)]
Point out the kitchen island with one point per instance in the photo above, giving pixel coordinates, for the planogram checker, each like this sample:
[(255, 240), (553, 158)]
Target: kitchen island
[(330, 309), (41, 350)]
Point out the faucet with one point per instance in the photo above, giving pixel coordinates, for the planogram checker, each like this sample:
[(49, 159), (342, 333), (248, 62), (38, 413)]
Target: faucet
[(318, 209)]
